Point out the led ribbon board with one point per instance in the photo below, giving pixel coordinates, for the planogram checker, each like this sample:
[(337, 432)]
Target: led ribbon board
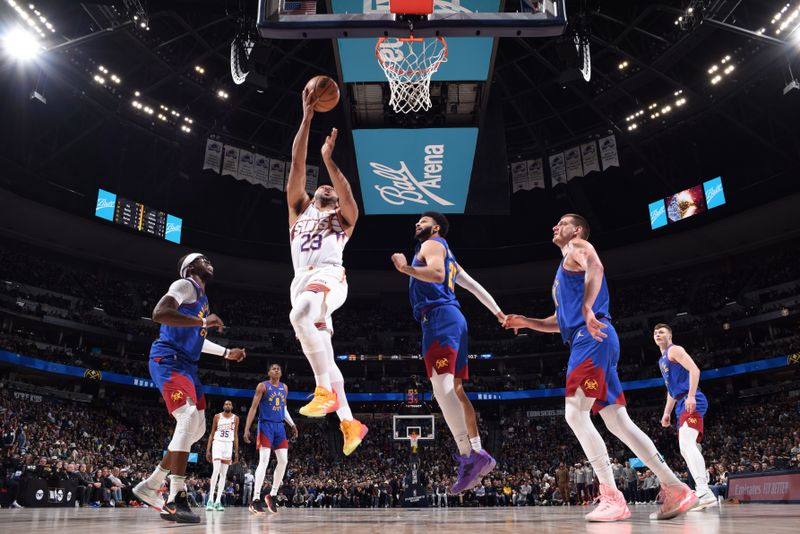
[(468, 58), (411, 171)]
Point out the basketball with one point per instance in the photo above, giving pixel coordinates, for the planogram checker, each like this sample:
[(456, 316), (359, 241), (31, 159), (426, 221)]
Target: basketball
[(327, 90)]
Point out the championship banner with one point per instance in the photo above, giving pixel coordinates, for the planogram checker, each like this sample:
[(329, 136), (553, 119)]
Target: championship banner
[(608, 152), (574, 166), (246, 166), (558, 172), (312, 178), (589, 158), (277, 173), (536, 173), (519, 176), (230, 165), (213, 158), (410, 171), (468, 58), (261, 170)]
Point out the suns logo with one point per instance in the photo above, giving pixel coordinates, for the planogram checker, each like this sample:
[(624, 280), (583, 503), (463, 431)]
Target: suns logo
[(176, 396), (590, 383), (441, 363)]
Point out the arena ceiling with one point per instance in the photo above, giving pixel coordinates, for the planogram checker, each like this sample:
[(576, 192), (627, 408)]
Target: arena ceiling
[(88, 134)]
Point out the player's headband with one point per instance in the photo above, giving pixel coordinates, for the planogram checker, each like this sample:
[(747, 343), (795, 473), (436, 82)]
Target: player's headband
[(188, 261)]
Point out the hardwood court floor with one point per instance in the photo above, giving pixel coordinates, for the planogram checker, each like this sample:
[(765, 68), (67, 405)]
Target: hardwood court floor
[(760, 518)]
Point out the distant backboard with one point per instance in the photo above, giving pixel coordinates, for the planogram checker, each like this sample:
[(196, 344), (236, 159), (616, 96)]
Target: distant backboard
[(287, 19), (424, 426)]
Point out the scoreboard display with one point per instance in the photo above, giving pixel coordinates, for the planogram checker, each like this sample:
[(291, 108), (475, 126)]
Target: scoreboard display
[(137, 216)]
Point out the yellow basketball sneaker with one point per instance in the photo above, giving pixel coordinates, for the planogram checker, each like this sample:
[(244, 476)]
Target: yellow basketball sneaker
[(324, 402), (353, 431)]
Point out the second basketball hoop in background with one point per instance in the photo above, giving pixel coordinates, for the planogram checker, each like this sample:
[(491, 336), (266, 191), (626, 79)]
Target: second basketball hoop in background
[(327, 91)]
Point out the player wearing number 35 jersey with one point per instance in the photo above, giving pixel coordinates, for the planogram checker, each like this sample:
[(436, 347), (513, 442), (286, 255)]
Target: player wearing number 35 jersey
[(319, 228), (221, 449)]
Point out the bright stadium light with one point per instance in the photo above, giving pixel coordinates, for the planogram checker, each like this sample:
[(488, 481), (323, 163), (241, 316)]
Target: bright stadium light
[(21, 44)]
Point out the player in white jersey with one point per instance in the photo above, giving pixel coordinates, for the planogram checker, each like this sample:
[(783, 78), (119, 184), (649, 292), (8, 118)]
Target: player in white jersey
[(222, 446), (319, 228)]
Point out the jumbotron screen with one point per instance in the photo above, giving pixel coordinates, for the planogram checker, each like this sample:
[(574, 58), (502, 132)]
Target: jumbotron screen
[(687, 203), (137, 216)]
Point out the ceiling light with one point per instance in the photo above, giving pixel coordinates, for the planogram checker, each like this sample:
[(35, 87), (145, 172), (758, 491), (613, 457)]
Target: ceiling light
[(21, 44)]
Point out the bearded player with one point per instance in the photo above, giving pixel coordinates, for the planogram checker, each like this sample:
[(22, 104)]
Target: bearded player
[(223, 445), (682, 378), (319, 229), (433, 275), (184, 315), (270, 402), (582, 317)]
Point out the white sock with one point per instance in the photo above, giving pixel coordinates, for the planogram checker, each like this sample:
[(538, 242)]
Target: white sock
[(336, 378), (619, 423), (261, 471), (223, 475), (213, 482), (476, 443), (576, 411), (453, 412), (282, 455), (687, 439), (176, 485), (156, 478), (306, 308)]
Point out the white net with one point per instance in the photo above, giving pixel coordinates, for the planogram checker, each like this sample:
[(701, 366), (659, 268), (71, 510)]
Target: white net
[(409, 65)]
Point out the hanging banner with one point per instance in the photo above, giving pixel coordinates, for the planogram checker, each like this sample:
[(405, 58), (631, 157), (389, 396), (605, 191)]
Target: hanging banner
[(246, 166), (573, 162), (213, 158), (589, 157), (230, 165), (519, 176), (261, 170), (312, 178), (277, 174), (535, 173), (557, 170), (608, 152)]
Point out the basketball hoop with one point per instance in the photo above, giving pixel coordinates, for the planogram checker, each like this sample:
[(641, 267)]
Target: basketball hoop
[(413, 437), (409, 64)]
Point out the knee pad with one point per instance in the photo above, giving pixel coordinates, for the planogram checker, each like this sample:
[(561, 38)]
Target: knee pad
[(442, 384), (282, 455), (199, 428), (573, 414), (183, 437)]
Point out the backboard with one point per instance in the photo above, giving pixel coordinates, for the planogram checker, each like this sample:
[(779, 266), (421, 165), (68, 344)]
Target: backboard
[(404, 425), (305, 19)]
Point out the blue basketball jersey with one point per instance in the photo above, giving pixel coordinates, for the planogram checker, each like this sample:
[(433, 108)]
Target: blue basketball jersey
[(272, 408), (184, 341), (568, 297), (676, 376), (427, 295)]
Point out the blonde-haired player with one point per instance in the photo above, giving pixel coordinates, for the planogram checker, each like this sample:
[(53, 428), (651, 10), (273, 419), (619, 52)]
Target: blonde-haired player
[(319, 228), (222, 446)]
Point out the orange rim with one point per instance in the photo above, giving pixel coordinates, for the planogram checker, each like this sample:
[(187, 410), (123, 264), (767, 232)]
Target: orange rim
[(434, 67)]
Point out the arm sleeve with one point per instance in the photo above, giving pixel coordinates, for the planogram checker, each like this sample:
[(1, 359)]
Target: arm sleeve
[(183, 292), (468, 283), (209, 347), (288, 418)]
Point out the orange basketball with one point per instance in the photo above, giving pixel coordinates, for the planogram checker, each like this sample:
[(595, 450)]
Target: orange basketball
[(327, 92)]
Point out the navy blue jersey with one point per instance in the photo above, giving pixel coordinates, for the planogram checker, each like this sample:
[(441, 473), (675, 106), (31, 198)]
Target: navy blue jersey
[(427, 295), (568, 290), (185, 342), (676, 376), (272, 408)]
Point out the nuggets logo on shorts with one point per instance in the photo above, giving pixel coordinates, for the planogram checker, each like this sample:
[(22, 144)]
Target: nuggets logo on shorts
[(590, 383), (441, 363), (176, 396), (692, 420)]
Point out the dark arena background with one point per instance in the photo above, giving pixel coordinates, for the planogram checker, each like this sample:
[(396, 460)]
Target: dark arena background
[(135, 132)]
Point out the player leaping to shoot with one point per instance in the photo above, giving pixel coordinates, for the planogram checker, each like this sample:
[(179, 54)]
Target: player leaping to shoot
[(319, 228)]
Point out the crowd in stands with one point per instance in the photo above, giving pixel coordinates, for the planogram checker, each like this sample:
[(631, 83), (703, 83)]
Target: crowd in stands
[(106, 447)]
